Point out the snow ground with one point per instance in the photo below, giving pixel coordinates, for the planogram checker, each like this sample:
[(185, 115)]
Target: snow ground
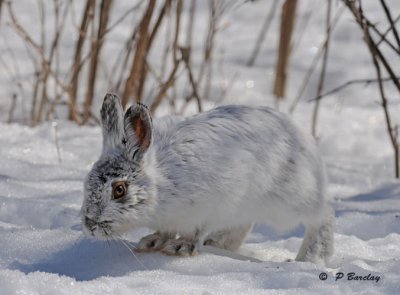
[(43, 251), (42, 248)]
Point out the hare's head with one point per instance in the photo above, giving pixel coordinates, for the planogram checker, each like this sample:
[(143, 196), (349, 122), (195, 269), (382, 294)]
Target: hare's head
[(117, 191)]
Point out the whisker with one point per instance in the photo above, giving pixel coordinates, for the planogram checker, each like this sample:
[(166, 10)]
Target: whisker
[(120, 251), (133, 253)]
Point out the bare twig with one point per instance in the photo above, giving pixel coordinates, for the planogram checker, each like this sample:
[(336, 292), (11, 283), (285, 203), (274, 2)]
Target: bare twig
[(21, 31), (217, 9), (349, 83), (323, 70), (383, 38), (189, 32), (1, 6), (57, 90), (164, 88), (392, 25), (15, 73), (391, 132), (287, 26), (387, 31), (12, 108), (87, 17), (185, 57), (378, 58), (167, 44), (47, 62), (263, 33), (129, 45), (303, 23), (123, 17), (132, 83), (314, 62), (364, 22), (154, 31), (45, 70), (96, 49), (175, 50)]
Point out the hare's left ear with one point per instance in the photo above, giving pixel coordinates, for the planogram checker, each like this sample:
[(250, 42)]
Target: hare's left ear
[(138, 130), (112, 122)]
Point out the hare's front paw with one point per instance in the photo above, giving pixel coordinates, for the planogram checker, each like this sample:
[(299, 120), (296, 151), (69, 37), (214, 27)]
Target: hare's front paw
[(151, 243), (180, 247)]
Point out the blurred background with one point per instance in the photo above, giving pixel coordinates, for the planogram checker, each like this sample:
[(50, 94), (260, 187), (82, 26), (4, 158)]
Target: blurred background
[(332, 65)]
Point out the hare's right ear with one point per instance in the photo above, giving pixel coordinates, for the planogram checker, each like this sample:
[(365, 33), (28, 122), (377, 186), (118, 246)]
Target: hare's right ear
[(138, 130), (112, 122)]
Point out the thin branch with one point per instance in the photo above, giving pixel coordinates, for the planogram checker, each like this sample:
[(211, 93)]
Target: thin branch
[(22, 32), (388, 67), (387, 31), (392, 25), (216, 11), (122, 17), (45, 70), (389, 125), (12, 107), (123, 60), (47, 62), (323, 70), (189, 32), (377, 58), (87, 17), (1, 6), (349, 83), (164, 88), (285, 40), (154, 31), (96, 49), (303, 23), (263, 33), (383, 38), (314, 62), (132, 83), (185, 57)]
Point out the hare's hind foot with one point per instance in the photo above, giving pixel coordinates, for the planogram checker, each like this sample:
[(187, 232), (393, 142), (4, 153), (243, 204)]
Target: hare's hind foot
[(317, 246), (151, 243)]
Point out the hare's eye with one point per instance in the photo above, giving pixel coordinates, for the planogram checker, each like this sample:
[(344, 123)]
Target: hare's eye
[(119, 189)]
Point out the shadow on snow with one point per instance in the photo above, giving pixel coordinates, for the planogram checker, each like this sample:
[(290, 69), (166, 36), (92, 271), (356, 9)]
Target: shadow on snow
[(88, 260)]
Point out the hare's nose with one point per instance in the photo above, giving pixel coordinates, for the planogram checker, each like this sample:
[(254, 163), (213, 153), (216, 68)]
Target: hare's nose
[(90, 223)]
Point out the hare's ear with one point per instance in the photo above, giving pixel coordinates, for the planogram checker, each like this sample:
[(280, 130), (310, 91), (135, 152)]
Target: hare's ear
[(138, 130), (112, 122)]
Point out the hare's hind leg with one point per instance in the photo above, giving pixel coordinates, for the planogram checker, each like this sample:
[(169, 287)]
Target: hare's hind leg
[(317, 245), (230, 238)]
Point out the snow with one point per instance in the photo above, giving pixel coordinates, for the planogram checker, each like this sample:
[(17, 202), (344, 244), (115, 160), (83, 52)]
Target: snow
[(43, 250)]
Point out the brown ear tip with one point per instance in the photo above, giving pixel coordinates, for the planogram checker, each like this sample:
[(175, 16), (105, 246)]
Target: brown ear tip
[(138, 109), (142, 106)]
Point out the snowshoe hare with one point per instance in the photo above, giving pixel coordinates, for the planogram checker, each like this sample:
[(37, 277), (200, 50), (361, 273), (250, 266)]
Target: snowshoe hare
[(206, 179)]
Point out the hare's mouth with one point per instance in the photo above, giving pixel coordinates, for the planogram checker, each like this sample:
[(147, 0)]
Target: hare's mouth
[(100, 230)]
